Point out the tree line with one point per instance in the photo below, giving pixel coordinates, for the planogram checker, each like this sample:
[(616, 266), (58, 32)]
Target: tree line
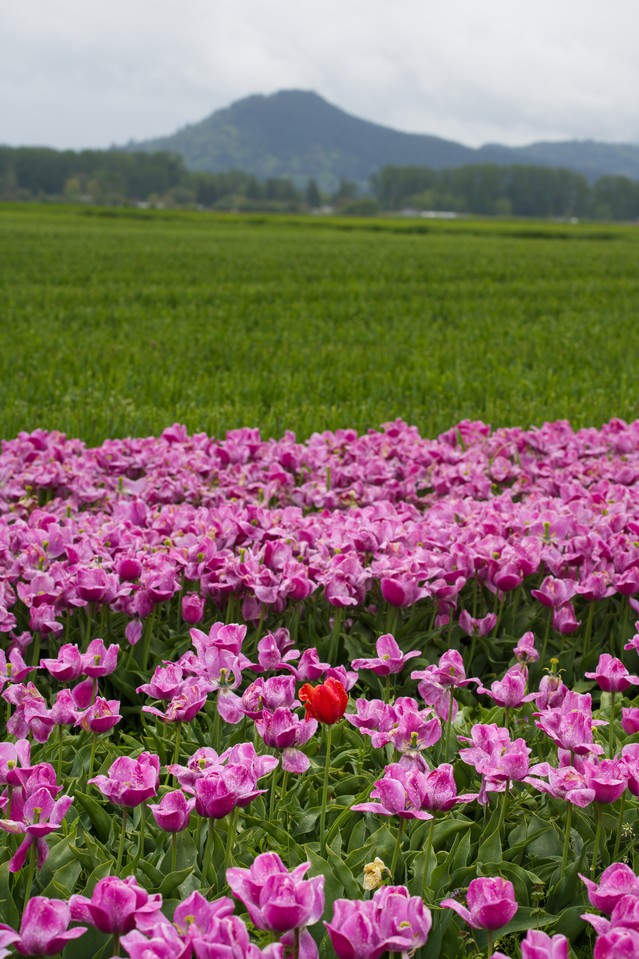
[(517, 190), (114, 177)]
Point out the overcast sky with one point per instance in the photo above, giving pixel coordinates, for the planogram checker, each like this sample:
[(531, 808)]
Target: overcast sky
[(92, 73)]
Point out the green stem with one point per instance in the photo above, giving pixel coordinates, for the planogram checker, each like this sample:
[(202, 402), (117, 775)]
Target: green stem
[(142, 829), (611, 733), (118, 862), (449, 722), (146, 641), (91, 760), (564, 858), (59, 757), (591, 613), (207, 853), (337, 629), (327, 767), (429, 846), (490, 943), (216, 728), (35, 652), (398, 843), (597, 839), (542, 658), (230, 837), (502, 812), (30, 874), (619, 826), (174, 852), (116, 944), (271, 807), (176, 751)]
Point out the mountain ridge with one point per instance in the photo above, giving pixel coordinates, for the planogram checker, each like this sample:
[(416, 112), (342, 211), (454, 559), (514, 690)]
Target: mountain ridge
[(300, 135)]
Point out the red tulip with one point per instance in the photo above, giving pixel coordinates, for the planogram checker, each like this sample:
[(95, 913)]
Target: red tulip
[(326, 703)]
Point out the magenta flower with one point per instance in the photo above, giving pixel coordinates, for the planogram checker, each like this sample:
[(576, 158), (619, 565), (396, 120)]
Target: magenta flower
[(566, 783), (41, 815), (269, 694), (619, 943), (539, 945), (608, 778), (525, 650), (570, 724), (8, 937), (277, 899), (389, 660), (415, 732), (68, 665), (391, 921), (630, 720), (284, 730), (192, 608), (167, 681), (223, 788), (491, 903), (401, 792), (44, 927), (449, 672), (185, 704), (173, 811), (477, 627), (611, 675), (100, 717), (509, 692), (130, 782), (116, 905), (31, 715), (616, 881)]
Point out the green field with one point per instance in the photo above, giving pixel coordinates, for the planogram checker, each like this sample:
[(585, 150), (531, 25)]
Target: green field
[(119, 323)]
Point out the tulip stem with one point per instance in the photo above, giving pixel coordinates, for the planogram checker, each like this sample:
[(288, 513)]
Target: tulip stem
[(216, 726), (176, 751), (449, 721), (490, 943), (230, 836), (92, 759), (32, 865), (142, 829), (271, 809), (207, 853), (337, 629), (611, 733), (118, 862), (597, 838), (619, 826), (564, 859), (398, 843), (116, 943), (174, 852), (429, 846), (542, 658), (327, 767)]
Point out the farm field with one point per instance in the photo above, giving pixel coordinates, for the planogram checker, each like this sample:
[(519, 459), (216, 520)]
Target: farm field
[(368, 691), (117, 323)]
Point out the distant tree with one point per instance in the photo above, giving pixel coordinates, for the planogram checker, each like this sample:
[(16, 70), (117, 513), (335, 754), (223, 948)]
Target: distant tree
[(312, 196)]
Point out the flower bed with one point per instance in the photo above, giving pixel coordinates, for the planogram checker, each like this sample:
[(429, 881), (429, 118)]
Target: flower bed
[(269, 698)]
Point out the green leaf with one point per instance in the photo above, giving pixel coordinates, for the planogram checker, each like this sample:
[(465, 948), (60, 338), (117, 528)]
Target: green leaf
[(101, 820), (174, 879), (8, 908), (490, 849)]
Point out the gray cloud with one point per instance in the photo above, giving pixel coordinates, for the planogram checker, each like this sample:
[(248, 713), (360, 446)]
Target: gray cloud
[(74, 74)]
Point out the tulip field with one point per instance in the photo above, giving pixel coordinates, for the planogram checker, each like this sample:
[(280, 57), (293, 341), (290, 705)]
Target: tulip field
[(355, 691)]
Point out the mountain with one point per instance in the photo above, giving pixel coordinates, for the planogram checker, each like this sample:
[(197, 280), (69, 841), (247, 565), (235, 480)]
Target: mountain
[(298, 134)]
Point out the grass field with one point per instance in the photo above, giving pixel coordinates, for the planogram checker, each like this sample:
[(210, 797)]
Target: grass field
[(119, 323)]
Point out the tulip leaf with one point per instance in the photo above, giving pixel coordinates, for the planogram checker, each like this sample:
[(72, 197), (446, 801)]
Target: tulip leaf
[(174, 879), (352, 889), (490, 849), (8, 909), (64, 880), (101, 821)]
